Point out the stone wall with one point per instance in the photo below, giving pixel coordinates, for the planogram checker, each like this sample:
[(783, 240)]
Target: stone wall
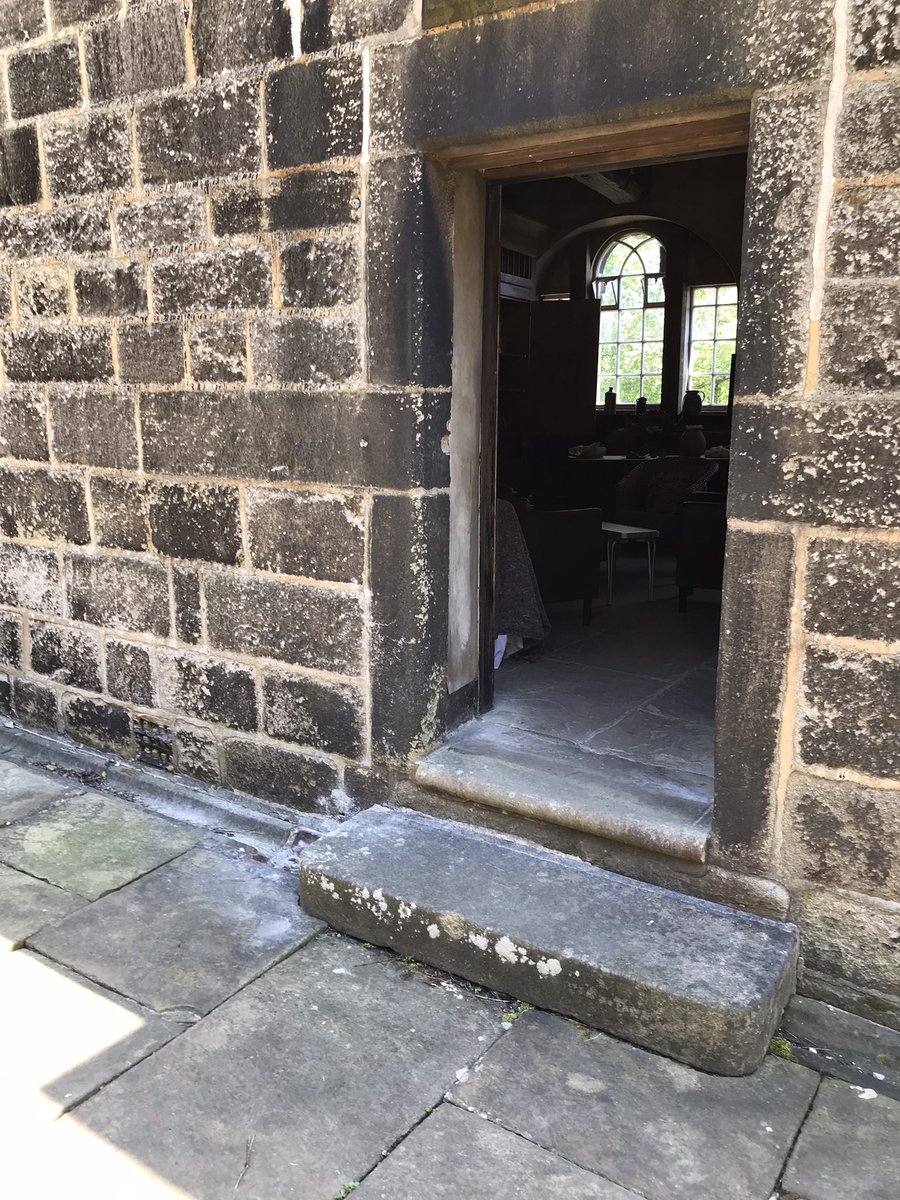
[(226, 270)]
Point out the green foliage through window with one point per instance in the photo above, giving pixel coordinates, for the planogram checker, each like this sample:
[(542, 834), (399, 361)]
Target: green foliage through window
[(712, 340), (628, 280)]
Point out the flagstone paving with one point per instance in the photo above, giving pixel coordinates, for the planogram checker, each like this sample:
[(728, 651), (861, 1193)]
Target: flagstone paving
[(176, 1028)]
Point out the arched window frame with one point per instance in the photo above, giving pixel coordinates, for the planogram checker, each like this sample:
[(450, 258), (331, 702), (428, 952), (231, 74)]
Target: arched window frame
[(646, 252)]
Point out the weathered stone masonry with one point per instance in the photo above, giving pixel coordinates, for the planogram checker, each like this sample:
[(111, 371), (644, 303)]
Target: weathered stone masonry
[(226, 281)]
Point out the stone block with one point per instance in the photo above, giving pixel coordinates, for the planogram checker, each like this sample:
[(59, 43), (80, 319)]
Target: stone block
[(76, 12), (826, 1162), (308, 626), (307, 533), (299, 780), (57, 234), (43, 504), (191, 521), (143, 52), (843, 1044), (313, 200), (821, 462), (66, 655), (310, 350), (89, 154), (120, 512), (754, 649), (865, 232), (111, 291), (23, 429), (5, 295), (874, 33), (213, 280), (408, 288), (842, 835), (237, 211), (328, 23), (313, 712), (208, 133), (850, 716), (129, 672), (92, 427), (44, 79), (868, 136), (218, 351), (172, 219), (782, 192), (861, 338), (188, 620), (78, 354), (408, 566), (847, 938), (209, 689), (197, 753), (20, 168), (123, 593), (22, 22), (42, 293), (30, 578), (228, 35), (106, 726), (319, 273), (852, 589), (36, 704), (357, 439), (314, 111), (151, 353), (5, 694), (10, 639)]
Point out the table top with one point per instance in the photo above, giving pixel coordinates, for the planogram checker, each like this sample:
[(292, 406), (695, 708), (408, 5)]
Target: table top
[(629, 533)]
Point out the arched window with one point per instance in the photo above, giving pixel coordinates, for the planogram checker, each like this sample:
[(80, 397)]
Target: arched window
[(627, 279)]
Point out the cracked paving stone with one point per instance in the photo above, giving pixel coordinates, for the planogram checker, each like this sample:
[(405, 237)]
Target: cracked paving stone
[(454, 1154), (648, 1123), (23, 792), (848, 1147), (187, 935), (91, 844), (324, 1062), (71, 1037), (27, 904)]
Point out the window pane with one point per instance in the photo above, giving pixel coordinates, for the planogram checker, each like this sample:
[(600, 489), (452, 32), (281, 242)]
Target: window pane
[(728, 295), (701, 384), (656, 290), (608, 360), (631, 323), (630, 358), (629, 388), (726, 321), (702, 295), (632, 291), (652, 388), (614, 258), (650, 253), (654, 319), (703, 323), (609, 324), (605, 383), (702, 358), (653, 353), (724, 351), (722, 388)]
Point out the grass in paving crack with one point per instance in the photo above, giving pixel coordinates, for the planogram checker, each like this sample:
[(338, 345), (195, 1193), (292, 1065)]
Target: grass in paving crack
[(782, 1048), (346, 1190)]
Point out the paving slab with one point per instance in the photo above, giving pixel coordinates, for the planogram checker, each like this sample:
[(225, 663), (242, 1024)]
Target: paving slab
[(91, 844), (26, 904), (656, 1126), (70, 1038), (849, 1147), (23, 792), (656, 808), (663, 741), (685, 977), (324, 1062), (188, 934), (454, 1155), (843, 1044)]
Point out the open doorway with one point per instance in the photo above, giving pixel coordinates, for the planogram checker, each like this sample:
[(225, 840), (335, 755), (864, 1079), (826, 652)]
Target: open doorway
[(617, 294)]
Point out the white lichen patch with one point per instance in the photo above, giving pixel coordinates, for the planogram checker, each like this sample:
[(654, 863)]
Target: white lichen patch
[(433, 931), (549, 967)]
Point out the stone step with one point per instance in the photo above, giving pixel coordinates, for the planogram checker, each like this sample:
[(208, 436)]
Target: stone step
[(688, 978), (663, 810)]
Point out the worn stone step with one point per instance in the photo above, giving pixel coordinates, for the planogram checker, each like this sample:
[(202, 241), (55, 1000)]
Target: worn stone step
[(660, 809), (688, 978)]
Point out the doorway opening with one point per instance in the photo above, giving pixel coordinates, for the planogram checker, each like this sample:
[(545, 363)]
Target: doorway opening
[(611, 317)]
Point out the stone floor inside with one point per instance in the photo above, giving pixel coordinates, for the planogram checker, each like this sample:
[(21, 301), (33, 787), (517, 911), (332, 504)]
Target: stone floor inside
[(176, 1026)]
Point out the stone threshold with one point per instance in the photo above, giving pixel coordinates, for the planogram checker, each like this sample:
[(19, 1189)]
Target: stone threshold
[(657, 809)]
